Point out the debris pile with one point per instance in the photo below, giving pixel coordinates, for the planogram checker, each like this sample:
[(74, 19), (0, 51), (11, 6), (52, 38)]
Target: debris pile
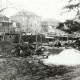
[(27, 50)]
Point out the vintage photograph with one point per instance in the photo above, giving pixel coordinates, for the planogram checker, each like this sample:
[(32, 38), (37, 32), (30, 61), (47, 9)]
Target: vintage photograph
[(39, 39)]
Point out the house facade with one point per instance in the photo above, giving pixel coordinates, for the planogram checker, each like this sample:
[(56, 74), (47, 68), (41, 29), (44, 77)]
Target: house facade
[(5, 24), (28, 21)]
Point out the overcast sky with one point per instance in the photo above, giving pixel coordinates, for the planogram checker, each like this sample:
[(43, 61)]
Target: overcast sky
[(44, 8)]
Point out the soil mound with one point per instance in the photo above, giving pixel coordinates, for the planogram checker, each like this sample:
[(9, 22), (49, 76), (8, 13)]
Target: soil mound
[(69, 57)]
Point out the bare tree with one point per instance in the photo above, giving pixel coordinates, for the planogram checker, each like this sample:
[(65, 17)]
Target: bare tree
[(7, 4)]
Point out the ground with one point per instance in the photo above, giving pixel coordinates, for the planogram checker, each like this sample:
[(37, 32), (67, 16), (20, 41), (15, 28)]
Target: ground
[(31, 68), (19, 68)]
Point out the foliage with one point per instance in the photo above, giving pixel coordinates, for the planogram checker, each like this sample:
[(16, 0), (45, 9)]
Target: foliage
[(71, 6), (73, 26)]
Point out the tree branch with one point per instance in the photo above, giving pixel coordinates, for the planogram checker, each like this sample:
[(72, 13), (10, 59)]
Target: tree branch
[(3, 9), (72, 6)]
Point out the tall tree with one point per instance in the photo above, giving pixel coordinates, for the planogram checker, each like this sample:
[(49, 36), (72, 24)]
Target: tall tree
[(73, 5), (73, 26)]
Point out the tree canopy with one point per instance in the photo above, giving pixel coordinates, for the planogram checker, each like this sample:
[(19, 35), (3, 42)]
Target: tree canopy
[(72, 26), (72, 5)]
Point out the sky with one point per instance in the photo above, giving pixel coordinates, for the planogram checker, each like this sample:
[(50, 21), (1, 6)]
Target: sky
[(44, 8)]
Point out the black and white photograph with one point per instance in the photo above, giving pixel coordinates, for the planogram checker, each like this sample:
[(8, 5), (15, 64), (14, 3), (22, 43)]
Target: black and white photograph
[(39, 39)]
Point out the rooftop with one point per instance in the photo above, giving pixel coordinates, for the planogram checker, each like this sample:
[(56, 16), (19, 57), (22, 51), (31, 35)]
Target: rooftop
[(25, 13)]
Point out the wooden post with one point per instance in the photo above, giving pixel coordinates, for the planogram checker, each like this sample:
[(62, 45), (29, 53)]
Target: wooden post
[(20, 36), (41, 40), (3, 33), (67, 38), (36, 40), (20, 39)]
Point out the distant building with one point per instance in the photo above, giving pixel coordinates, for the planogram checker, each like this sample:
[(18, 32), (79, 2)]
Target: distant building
[(28, 21), (49, 25), (5, 24), (15, 27), (50, 30)]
